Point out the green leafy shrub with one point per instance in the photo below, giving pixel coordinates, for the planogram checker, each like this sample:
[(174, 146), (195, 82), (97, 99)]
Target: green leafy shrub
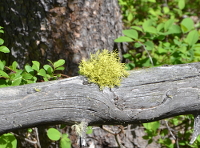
[(164, 43), (103, 68), (12, 76), (163, 32), (135, 12)]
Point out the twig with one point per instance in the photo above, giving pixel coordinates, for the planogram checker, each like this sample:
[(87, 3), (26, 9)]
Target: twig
[(176, 139), (26, 139), (116, 135), (147, 53), (37, 136)]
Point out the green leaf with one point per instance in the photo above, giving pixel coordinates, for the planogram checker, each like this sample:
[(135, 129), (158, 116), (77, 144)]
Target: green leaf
[(28, 68), (147, 23), (153, 1), (192, 37), (14, 66), (183, 49), (53, 134), (147, 27), (181, 4), (146, 137), (146, 62), (162, 51), (168, 24), (160, 26), (16, 75), (187, 24), (27, 76), (177, 42), (137, 45), (8, 141), (3, 74), (151, 29), (166, 10), (59, 63), (89, 130), (127, 55), (1, 41), (4, 49), (36, 65), (65, 142), (174, 29), (48, 68), (149, 45), (184, 29), (42, 72), (30, 130), (130, 17), (123, 39), (131, 33), (33, 80), (152, 126), (167, 44), (58, 75), (197, 49), (198, 138), (130, 66), (46, 79), (17, 81), (2, 64), (60, 68), (137, 28), (50, 62)]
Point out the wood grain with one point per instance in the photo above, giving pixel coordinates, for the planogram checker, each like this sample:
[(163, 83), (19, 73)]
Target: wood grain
[(146, 95)]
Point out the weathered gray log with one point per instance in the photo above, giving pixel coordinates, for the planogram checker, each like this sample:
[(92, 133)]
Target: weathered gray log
[(146, 95)]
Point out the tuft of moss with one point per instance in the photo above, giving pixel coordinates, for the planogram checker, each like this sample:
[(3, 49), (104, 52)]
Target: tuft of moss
[(103, 68)]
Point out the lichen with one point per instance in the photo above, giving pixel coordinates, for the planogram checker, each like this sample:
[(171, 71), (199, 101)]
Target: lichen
[(103, 68), (80, 128)]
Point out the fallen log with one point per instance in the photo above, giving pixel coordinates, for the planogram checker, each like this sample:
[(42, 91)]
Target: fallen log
[(145, 95)]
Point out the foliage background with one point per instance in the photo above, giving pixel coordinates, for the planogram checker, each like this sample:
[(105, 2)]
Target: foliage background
[(163, 32)]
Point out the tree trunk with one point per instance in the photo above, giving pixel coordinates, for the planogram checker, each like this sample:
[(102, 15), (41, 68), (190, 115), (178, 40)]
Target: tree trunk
[(59, 29)]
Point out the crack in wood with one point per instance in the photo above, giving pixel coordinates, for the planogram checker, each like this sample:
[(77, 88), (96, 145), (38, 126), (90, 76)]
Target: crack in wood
[(163, 81)]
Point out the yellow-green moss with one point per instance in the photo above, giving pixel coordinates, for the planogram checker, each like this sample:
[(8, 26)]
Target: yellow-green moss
[(103, 68)]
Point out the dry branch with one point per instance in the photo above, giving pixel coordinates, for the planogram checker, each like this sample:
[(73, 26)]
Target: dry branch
[(146, 95)]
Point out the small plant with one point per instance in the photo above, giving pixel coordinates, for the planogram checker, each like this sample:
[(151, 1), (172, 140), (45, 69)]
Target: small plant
[(3, 48), (8, 141), (12, 76), (103, 68), (151, 130), (55, 135), (65, 142)]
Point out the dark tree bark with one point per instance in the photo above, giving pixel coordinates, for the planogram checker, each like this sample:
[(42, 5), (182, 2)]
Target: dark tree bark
[(146, 95), (59, 29)]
